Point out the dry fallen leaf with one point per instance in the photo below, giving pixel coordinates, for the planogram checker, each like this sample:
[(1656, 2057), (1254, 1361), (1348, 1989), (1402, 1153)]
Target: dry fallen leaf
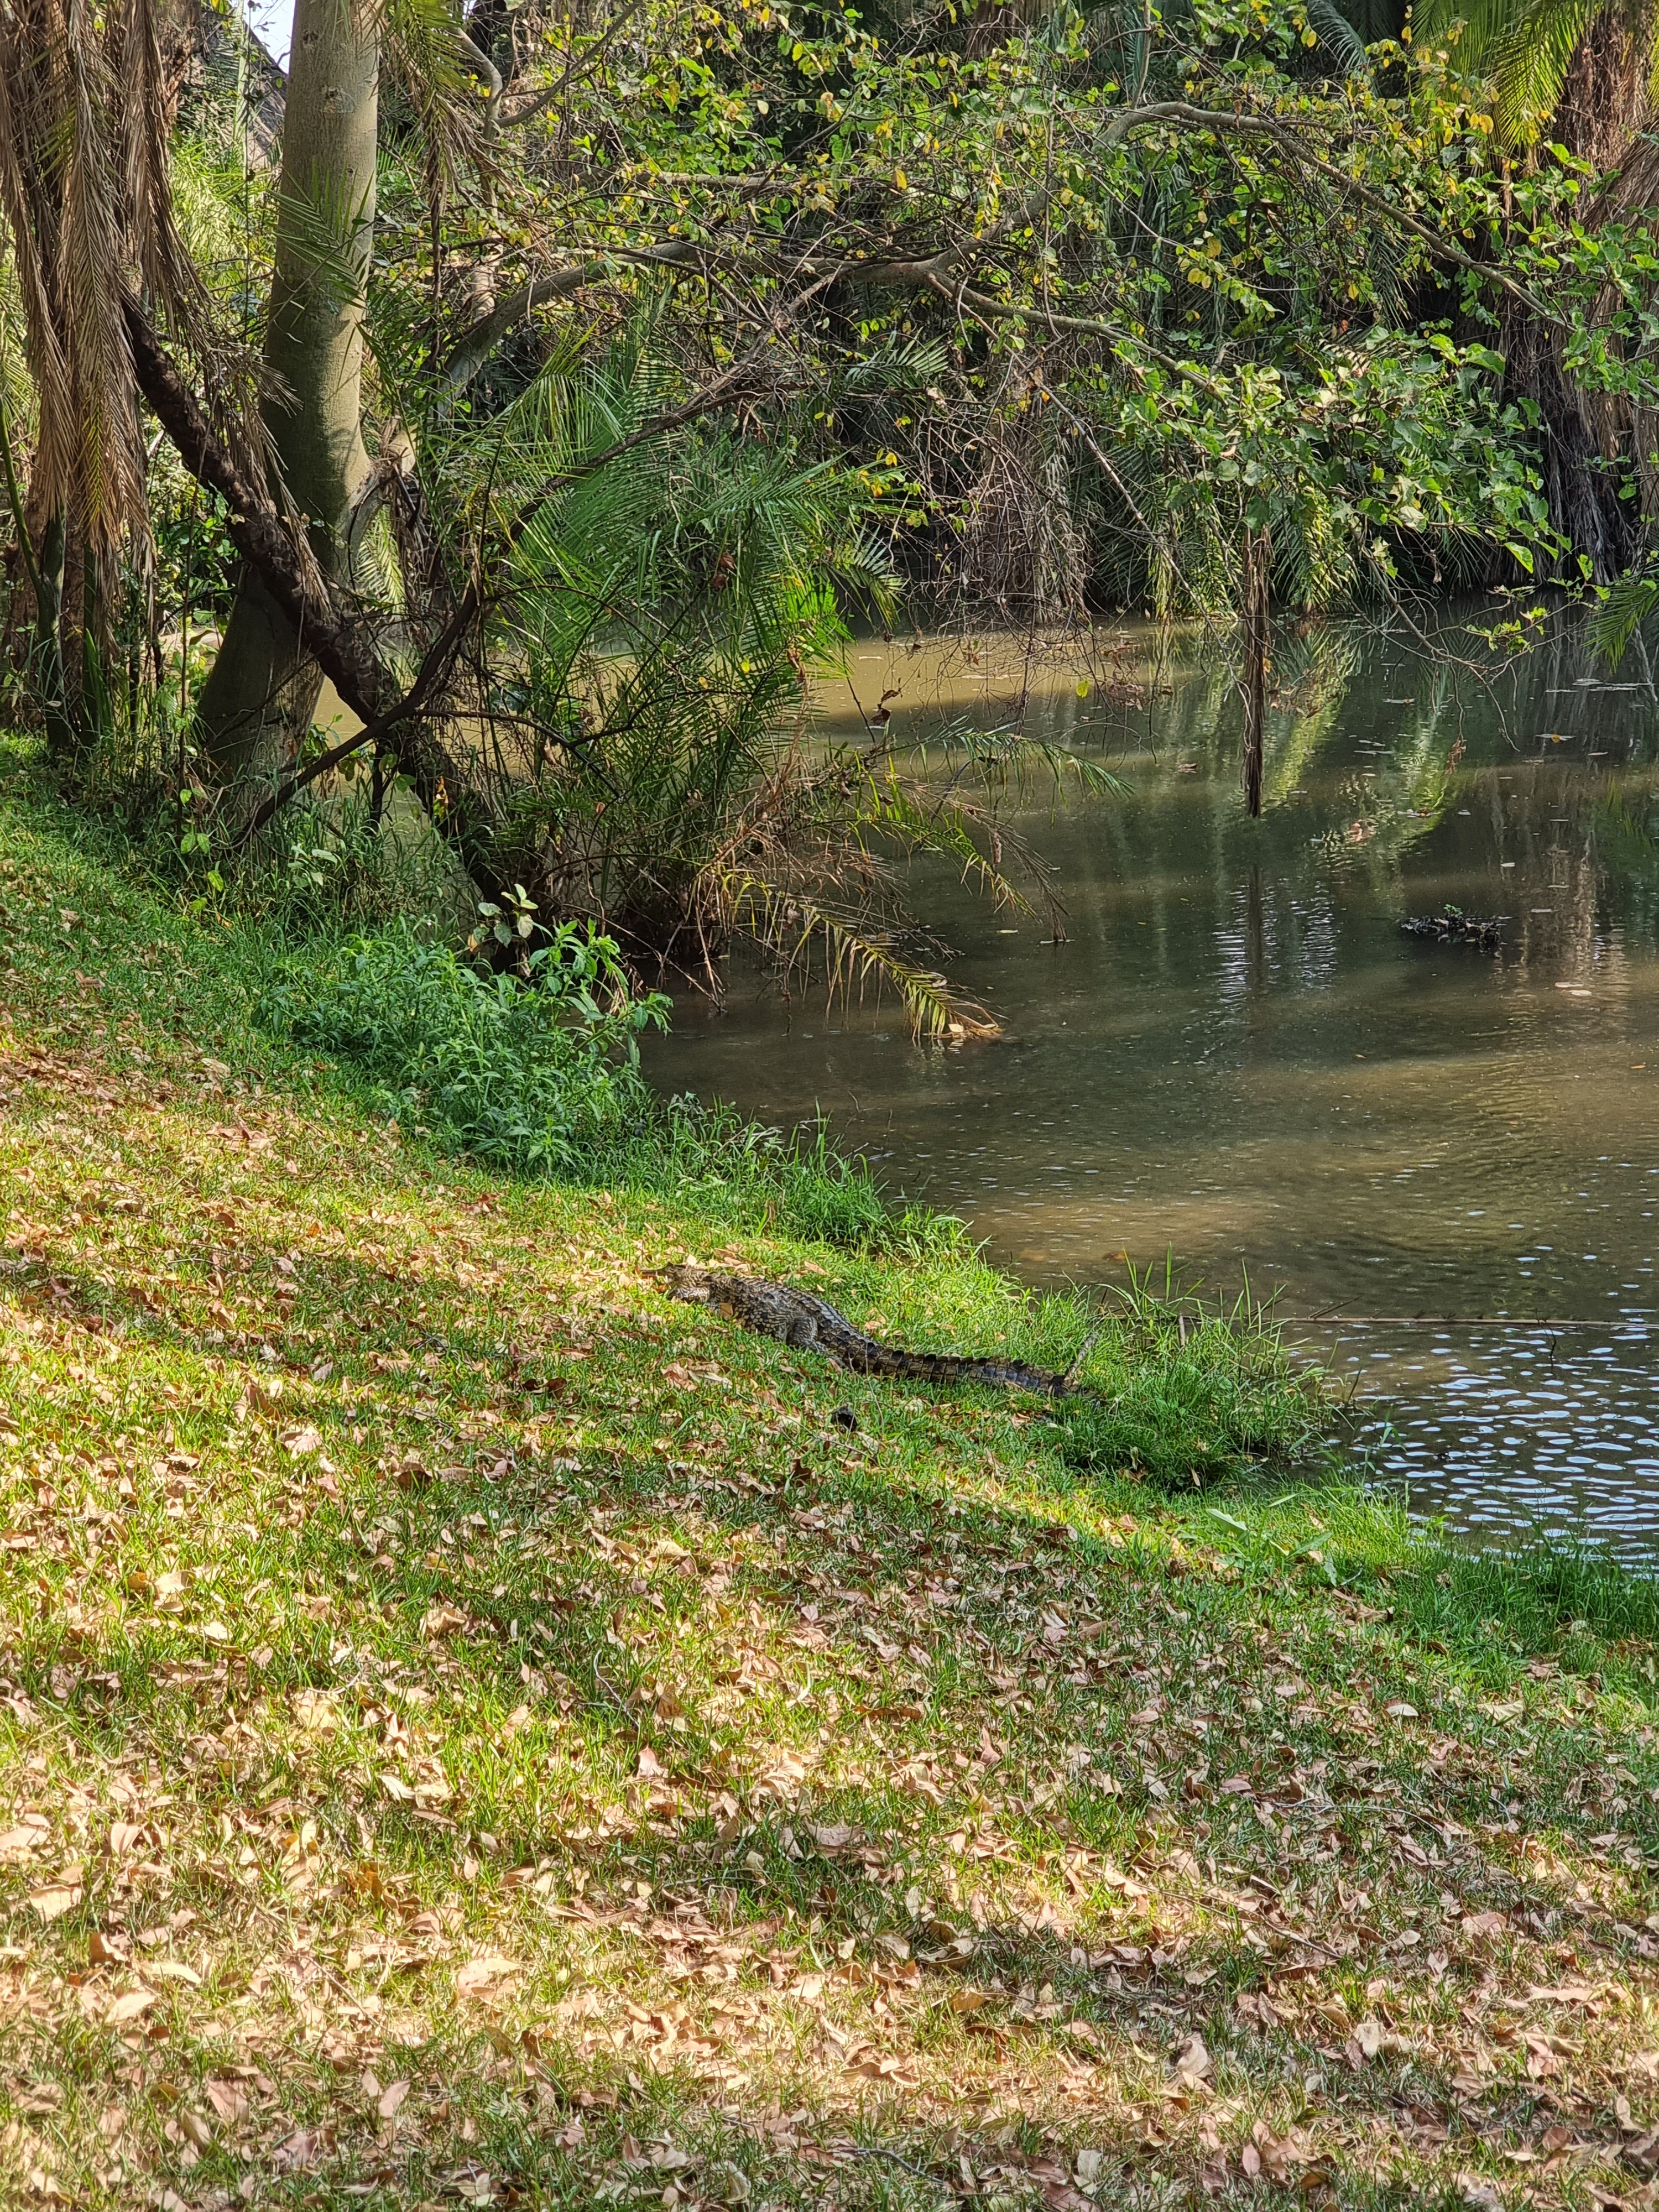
[(229, 2099), (1484, 2196), (1193, 2060), (1484, 1923), (59, 1897), (482, 1973), (1367, 2040), (316, 1712), (132, 2004), (300, 1443), (391, 2101), (297, 2151)]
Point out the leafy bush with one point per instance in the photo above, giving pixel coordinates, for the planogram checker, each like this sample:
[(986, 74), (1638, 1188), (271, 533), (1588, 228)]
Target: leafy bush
[(534, 1072), (541, 1075)]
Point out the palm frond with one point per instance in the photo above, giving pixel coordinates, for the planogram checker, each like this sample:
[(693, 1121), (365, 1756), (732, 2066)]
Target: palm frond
[(1522, 48), (423, 48), (1529, 65), (855, 960), (1339, 37), (1624, 607), (86, 208)]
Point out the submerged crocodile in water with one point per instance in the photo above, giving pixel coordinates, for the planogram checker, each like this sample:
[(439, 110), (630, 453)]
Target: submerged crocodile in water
[(807, 1323), (1453, 926)]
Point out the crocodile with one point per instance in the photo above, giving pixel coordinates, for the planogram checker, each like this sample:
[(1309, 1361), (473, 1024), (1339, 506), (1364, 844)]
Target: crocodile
[(1453, 926), (807, 1323)]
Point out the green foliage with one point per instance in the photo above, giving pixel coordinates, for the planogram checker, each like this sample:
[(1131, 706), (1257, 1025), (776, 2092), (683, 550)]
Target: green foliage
[(1531, 1598), (652, 759), (538, 1072), (1521, 49), (1622, 608), (529, 1070), (745, 1176), (1279, 305)]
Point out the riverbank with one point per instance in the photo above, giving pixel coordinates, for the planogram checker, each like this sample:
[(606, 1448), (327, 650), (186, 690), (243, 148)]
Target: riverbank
[(475, 1731)]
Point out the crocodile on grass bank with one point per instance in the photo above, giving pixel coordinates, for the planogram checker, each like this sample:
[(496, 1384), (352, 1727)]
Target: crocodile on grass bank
[(807, 1323)]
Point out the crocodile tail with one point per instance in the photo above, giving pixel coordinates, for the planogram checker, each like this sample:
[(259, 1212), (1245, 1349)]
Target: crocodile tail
[(866, 1357), (1067, 1382), (1007, 1374)]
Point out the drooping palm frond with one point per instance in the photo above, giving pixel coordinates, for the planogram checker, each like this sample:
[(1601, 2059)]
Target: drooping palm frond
[(1624, 607), (1336, 34), (1520, 48), (852, 957), (424, 49), (1530, 58), (87, 99)]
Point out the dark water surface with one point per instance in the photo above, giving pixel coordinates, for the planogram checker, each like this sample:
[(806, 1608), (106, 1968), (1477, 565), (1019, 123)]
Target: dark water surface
[(1236, 1057)]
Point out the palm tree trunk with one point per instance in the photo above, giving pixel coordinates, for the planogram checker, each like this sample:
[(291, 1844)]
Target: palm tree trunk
[(48, 636), (1586, 437), (263, 688)]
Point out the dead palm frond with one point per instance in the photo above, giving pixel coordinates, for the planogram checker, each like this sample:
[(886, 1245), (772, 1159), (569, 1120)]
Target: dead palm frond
[(87, 101)]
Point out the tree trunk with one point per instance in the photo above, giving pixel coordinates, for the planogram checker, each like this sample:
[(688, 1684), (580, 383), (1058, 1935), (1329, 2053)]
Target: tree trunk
[(263, 688), (50, 559), (1604, 103), (1589, 440)]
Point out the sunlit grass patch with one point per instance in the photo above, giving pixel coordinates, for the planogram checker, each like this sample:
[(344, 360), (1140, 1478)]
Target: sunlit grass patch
[(472, 1730)]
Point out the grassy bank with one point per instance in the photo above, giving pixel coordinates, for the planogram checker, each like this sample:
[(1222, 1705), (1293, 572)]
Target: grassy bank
[(475, 1732)]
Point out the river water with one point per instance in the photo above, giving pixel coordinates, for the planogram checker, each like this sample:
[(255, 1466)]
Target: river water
[(1233, 1056)]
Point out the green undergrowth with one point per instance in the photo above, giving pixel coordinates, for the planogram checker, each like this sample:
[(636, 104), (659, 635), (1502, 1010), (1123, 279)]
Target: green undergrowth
[(473, 1731)]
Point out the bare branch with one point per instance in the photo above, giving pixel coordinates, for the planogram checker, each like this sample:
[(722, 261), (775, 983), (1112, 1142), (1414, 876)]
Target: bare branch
[(475, 345)]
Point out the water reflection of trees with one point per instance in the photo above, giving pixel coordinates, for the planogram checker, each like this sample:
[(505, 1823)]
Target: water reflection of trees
[(1403, 772)]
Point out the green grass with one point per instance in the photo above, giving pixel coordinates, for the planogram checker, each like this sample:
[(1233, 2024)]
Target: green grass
[(472, 1730)]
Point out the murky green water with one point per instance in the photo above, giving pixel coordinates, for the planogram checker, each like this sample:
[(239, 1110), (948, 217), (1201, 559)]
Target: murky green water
[(1236, 1056)]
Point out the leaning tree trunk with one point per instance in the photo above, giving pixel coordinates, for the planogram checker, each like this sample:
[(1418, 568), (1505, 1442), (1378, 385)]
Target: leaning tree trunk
[(263, 688)]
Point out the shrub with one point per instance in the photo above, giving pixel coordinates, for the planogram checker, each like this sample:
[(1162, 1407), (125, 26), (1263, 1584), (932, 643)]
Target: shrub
[(540, 1075), (535, 1071)]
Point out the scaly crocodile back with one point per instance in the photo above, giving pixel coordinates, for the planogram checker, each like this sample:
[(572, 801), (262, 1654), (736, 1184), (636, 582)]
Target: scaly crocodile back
[(810, 1323)]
